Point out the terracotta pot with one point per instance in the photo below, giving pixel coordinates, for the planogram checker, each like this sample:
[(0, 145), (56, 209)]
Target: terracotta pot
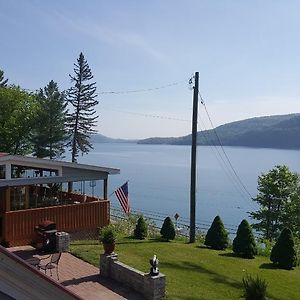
[(109, 248)]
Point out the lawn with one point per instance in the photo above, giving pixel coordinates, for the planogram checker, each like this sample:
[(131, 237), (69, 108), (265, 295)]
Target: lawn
[(194, 272)]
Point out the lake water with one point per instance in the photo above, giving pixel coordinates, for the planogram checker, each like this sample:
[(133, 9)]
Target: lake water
[(159, 177)]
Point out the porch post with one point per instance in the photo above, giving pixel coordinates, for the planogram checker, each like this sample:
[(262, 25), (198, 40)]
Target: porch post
[(26, 196), (105, 188), (7, 199)]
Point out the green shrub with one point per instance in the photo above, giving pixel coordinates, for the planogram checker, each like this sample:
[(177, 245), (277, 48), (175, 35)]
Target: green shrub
[(141, 229), (244, 242), (264, 247), (284, 253), (255, 288), (167, 230), (107, 235), (217, 236)]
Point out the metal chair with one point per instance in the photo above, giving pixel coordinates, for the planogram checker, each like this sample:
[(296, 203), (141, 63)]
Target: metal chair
[(52, 264)]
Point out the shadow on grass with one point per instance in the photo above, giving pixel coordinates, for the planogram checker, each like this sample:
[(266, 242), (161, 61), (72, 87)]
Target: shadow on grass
[(229, 254), (214, 276), (131, 240), (203, 247), (270, 266)]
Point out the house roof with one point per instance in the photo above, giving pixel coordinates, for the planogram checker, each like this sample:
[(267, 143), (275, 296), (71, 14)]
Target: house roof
[(67, 171), (19, 280)]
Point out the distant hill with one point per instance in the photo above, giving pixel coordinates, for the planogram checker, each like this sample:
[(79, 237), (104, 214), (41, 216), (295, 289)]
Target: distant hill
[(282, 131), (100, 138)]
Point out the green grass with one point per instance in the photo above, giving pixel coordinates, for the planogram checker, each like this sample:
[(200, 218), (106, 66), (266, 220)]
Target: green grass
[(194, 272)]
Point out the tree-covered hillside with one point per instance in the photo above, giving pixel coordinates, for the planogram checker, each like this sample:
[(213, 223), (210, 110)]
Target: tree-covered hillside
[(281, 131)]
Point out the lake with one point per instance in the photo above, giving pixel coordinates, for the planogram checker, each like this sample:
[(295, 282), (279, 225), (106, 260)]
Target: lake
[(159, 177)]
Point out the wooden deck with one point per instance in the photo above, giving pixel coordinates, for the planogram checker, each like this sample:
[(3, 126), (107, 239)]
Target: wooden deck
[(19, 225)]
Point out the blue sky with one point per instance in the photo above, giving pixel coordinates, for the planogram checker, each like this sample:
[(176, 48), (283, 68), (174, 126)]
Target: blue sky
[(247, 53)]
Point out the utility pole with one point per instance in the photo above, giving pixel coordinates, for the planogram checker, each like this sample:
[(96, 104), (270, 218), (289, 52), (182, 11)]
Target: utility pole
[(194, 162)]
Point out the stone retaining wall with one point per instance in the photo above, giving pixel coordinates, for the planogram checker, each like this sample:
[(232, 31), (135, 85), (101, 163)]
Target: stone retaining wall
[(152, 287)]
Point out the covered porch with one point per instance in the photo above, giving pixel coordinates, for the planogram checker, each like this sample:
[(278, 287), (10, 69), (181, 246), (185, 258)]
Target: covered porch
[(34, 190)]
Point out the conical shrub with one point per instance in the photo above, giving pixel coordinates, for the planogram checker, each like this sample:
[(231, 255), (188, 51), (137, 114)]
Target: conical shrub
[(217, 236), (283, 253), (167, 230), (244, 242), (141, 229)]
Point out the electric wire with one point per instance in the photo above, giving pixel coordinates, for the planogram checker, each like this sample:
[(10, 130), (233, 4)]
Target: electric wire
[(223, 150), (147, 115), (143, 90), (222, 162)]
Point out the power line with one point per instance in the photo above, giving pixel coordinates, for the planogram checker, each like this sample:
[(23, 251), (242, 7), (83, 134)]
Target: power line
[(143, 90), (223, 150), (222, 163), (147, 115)]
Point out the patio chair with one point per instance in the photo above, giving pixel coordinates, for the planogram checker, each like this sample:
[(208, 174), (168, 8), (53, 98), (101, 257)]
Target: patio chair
[(51, 264)]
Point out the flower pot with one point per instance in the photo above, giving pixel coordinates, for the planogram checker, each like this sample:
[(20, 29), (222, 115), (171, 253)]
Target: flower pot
[(109, 248)]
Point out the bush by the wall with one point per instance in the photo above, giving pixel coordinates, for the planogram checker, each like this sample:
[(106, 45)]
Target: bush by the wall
[(283, 253), (255, 288), (167, 230), (244, 242), (217, 236), (141, 229)]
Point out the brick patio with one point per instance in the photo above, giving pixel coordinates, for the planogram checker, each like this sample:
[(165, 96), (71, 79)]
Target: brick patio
[(82, 278)]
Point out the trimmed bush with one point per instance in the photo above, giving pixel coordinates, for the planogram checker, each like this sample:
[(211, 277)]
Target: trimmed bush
[(255, 288), (217, 236), (244, 242), (141, 229), (167, 230), (283, 253)]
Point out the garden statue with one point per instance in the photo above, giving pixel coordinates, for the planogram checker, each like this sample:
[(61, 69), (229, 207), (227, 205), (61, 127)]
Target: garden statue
[(154, 263)]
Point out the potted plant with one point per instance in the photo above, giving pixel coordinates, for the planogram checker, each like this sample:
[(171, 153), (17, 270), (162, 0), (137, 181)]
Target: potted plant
[(108, 238)]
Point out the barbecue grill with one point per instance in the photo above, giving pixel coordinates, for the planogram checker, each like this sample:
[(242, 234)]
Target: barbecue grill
[(45, 236)]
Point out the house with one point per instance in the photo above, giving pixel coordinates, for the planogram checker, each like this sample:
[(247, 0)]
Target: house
[(22, 281), (33, 190)]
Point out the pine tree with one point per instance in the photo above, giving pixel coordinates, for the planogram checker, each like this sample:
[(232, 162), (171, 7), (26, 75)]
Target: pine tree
[(50, 135), (283, 253), (167, 230), (3, 82), (244, 242), (217, 236), (141, 229), (82, 120)]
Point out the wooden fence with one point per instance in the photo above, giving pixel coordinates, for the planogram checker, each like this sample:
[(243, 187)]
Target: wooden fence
[(19, 225)]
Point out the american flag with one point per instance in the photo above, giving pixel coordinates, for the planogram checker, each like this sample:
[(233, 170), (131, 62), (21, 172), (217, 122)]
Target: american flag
[(122, 195)]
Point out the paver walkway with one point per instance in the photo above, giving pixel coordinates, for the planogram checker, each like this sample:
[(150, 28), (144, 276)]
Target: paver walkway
[(83, 278)]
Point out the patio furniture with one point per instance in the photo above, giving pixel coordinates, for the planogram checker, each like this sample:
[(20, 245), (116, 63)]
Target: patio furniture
[(51, 264), (34, 261)]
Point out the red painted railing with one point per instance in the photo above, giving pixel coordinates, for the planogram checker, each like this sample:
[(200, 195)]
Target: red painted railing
[(19, 225)]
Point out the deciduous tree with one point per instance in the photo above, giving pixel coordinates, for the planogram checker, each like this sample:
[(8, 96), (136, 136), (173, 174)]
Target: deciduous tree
[(17, 112), (277, 190)]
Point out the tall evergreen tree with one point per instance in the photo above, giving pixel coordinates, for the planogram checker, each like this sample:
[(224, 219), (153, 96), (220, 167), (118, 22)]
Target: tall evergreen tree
[(244, 242), (50, 135), (217, 236), (3, 82), (82, 97)]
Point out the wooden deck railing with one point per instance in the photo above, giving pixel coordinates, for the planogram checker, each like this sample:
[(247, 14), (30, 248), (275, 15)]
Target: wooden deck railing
[(19, 225)]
